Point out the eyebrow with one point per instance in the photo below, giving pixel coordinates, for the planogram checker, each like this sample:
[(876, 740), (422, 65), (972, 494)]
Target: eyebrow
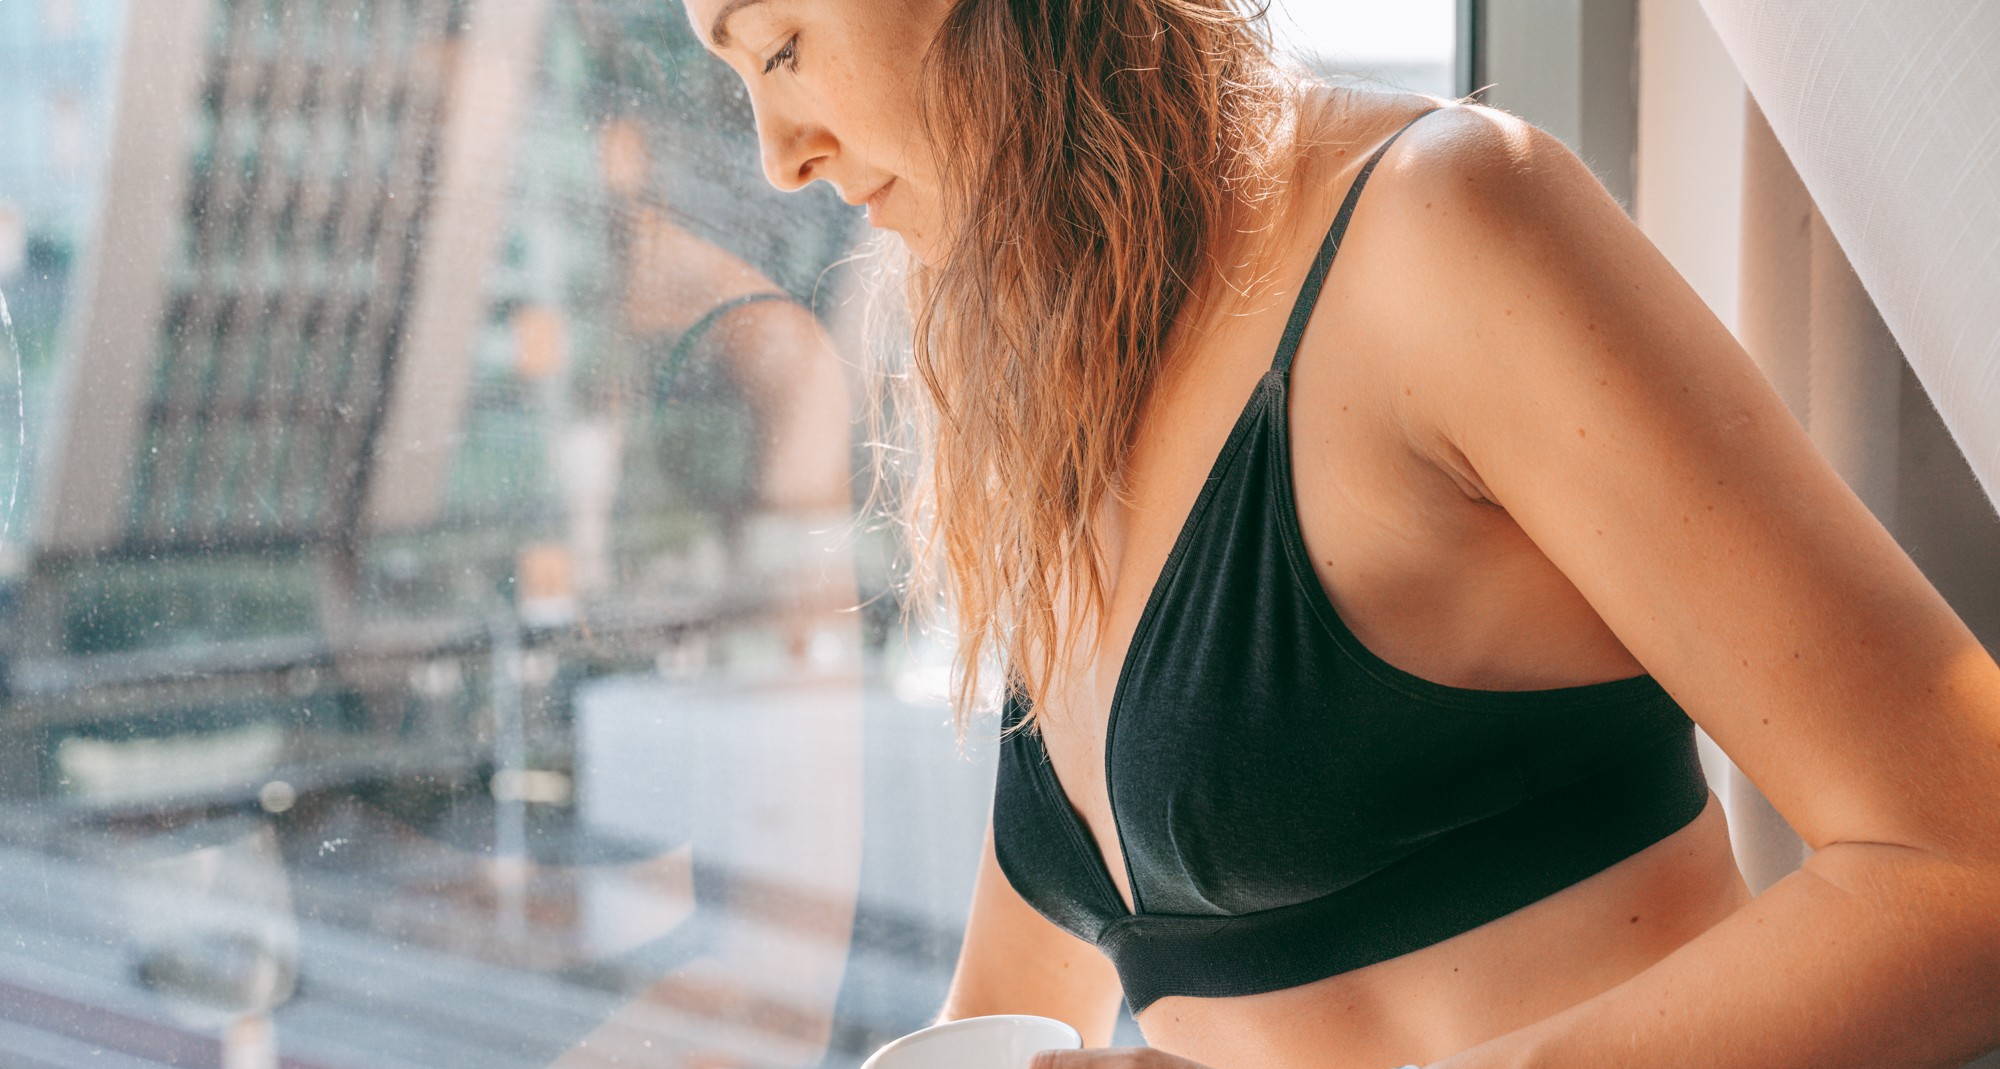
[(718, 32)]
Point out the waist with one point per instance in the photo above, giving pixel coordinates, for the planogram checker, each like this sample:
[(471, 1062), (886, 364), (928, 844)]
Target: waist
[(1503, 976), (1465, 878)]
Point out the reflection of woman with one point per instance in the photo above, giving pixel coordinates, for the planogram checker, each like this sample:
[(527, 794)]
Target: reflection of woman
[(720, 320), (786, 750), (1313, 790)]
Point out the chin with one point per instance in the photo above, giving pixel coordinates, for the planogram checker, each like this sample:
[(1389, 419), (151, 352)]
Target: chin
[(917, 249), (925, 244)]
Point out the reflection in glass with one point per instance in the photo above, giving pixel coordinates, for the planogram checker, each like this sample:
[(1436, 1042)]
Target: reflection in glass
[(437, 626), (212, 933)]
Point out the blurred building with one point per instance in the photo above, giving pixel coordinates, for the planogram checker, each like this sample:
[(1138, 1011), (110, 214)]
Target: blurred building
[(56, 60), (234, 399), (54, 107), (346, 294)]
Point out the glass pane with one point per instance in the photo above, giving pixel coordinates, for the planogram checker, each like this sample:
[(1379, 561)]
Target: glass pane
[(439, 628), (1408, 45)]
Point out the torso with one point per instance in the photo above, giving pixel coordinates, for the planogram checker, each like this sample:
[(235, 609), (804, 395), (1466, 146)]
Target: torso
[(1434, 581)]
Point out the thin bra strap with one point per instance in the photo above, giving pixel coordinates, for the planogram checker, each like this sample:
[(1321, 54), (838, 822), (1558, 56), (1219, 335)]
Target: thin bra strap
[(670, 368), (1302, 309)]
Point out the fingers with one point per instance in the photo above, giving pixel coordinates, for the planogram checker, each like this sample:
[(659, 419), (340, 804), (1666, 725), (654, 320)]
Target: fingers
[(1100, 1058)]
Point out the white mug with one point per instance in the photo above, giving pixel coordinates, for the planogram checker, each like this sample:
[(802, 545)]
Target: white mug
[(993, 1041)]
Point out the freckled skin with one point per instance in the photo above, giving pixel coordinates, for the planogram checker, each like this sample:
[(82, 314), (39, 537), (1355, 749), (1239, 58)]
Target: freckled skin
[(841, 105)]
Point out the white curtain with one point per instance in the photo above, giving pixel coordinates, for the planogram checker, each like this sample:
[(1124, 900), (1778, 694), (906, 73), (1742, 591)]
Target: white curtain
[(1890, 112), (1866, 247)]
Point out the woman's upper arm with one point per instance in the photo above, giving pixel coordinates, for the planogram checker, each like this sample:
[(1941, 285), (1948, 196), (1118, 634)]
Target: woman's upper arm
[(1555, 351), (1014, 960)]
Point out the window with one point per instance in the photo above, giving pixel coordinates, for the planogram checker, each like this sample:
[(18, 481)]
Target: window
[(1409, 46), (421, 589)]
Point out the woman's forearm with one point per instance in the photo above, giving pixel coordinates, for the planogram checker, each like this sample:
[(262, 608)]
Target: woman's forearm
[(1868, 956)]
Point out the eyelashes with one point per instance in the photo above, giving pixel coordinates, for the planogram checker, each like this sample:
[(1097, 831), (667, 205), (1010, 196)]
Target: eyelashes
[(788, 55)]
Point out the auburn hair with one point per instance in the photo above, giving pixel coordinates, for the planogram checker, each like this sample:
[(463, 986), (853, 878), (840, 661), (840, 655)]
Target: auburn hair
[(1093, 153)]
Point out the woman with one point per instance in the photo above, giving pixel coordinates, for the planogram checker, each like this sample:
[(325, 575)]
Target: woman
[(1409, 645)]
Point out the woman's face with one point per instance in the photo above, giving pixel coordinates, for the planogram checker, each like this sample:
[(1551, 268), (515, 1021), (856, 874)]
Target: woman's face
[(833, 85)]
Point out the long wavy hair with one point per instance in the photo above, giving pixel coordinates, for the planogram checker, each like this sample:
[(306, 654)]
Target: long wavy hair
[(1094, 151)]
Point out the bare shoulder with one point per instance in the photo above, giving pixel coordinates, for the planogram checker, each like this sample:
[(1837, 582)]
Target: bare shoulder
[(1465, 198), (1545, 341), (680, 275), (1341, 125)]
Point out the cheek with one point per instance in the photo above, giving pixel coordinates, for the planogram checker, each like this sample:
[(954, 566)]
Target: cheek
[(878, 96), (872, 125), (894, 133)]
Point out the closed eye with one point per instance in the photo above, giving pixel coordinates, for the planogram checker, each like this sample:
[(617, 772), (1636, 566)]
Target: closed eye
[(788, 55)]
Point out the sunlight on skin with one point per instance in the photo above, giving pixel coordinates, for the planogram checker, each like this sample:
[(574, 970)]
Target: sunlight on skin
[(831, 85)]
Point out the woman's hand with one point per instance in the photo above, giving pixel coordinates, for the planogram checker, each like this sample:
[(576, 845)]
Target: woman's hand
[(1111, 1058)]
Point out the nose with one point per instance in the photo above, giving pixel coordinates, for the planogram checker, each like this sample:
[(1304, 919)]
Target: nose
[(794, 149)]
